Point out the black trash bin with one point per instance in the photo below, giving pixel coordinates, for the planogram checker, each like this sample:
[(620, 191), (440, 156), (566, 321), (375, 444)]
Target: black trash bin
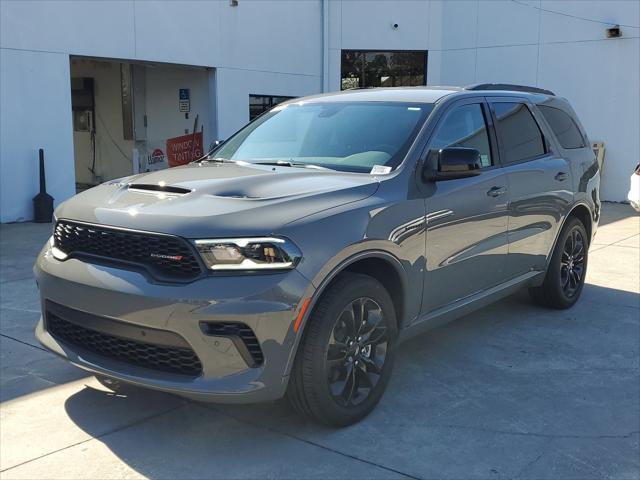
[(42, 202)]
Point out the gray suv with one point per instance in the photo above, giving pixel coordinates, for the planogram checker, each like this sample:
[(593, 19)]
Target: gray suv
[(296, 257)]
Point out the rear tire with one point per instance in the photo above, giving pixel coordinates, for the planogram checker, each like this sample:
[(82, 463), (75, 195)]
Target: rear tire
[(346, 356), (567, 268)]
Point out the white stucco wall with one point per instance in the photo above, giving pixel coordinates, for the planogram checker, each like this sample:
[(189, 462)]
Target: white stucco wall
[(164, 120), (523, 42), (498, 41), (275, 48), (35, 112), (259, 47)]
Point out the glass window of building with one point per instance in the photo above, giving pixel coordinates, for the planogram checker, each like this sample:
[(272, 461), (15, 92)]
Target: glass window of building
[(258, 104), (362, 69)]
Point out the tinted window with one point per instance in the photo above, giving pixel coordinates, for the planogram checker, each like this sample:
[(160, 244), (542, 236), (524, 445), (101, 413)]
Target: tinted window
[(519, 132), (563, 127), (382, 69), (258, 104), (350, 136), (464, 126)]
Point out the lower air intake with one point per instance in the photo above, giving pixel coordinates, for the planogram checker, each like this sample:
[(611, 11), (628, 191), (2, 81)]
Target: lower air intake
[(182, 361), (242, 337)]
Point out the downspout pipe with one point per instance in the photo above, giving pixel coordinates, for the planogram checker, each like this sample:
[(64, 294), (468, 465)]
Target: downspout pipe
[(325, 45)]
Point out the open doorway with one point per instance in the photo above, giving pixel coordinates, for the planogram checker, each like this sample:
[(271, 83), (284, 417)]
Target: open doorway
[(130, 117)]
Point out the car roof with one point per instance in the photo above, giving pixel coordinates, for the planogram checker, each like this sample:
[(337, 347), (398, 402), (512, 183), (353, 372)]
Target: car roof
[(425, 94), (384, 94)]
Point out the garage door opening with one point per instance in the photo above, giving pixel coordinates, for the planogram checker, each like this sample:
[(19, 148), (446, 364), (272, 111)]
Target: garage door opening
[(131, 117)]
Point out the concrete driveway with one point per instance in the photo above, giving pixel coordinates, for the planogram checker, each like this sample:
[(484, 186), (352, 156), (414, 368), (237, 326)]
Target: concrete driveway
[(512, 391)]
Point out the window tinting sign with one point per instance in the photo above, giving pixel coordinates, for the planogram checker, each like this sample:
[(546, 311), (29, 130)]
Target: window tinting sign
[(184, 100)]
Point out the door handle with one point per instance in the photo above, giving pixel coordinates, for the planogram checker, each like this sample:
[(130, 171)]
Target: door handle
[(496, 191), (561, 176)]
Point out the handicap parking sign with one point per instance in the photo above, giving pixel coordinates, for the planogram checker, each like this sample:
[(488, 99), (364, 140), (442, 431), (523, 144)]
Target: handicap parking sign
[(184, 102)]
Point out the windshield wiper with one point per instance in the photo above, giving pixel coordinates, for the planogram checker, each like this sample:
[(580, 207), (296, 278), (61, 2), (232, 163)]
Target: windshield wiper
[(278, 163), (288, 163), (214, 159)]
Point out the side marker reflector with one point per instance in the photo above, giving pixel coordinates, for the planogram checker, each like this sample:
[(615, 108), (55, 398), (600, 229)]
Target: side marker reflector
[(303, 310)]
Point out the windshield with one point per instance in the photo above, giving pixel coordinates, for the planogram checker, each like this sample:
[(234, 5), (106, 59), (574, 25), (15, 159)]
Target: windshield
[(347, 136)]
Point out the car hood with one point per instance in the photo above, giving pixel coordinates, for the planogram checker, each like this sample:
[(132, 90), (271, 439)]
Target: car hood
[(216, 199)]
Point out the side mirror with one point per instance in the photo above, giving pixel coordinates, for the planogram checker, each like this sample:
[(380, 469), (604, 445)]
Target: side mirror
[(453, 163)]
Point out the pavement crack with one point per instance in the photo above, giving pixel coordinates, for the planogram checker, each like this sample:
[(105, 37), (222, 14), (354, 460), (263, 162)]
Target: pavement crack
[(534, 434), (315, 444), (21, 279), (601, 246), (609, 304), (4, 307), (96, 437), (524, 469), (4, 335)]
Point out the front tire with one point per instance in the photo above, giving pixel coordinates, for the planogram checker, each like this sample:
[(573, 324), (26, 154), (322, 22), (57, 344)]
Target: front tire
[(346, 356), (567, 268)]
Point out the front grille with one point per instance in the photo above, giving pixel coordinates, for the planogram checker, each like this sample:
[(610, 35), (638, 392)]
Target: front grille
[(165, 257), (164, 358), (242, 336)]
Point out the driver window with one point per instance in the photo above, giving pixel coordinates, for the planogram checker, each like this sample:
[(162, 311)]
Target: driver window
[(464, 126)]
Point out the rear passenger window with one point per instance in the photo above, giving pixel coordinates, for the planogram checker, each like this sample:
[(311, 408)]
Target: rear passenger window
[(464, 126), (520, 135), (563, 126)]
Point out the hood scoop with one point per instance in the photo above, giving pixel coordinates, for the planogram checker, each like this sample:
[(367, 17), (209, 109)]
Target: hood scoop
[(155, 188)]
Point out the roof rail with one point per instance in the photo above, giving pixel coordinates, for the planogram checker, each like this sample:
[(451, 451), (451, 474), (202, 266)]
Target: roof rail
[(508, 86)]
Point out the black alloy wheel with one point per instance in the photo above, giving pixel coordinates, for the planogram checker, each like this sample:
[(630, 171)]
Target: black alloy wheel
[(345, 357), (357, 351), (567, 268), (572, 263)]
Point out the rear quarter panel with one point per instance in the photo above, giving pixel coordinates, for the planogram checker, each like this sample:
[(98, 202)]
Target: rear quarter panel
[(585, 172)]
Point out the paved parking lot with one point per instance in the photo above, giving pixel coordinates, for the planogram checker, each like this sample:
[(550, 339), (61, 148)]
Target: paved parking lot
[(512, 391)]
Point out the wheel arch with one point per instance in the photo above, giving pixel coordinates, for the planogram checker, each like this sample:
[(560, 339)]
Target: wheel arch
[(582, 212), (379, 264), (388, 274)]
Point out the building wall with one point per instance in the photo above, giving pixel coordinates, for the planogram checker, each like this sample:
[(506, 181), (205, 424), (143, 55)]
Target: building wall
[(164, 120), (270, 47), (523, 42), (276, 47), (35, 99), (514, 43)]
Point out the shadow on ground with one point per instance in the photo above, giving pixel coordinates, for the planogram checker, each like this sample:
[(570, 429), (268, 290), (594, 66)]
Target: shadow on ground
[(512, 390)]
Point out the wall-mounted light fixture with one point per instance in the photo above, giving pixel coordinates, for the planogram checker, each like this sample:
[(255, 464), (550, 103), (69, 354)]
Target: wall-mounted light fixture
[(614, 32), (233, 3)]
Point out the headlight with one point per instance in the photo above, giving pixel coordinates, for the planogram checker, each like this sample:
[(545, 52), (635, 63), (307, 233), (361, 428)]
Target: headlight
[(263, 253)]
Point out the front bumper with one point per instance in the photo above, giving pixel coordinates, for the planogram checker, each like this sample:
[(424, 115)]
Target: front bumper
[(268, 304)]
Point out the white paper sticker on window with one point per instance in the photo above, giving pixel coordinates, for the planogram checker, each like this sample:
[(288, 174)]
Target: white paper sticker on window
[(380, 170)]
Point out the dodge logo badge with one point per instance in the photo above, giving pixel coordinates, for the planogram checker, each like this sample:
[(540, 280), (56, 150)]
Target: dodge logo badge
[(176, 258)]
